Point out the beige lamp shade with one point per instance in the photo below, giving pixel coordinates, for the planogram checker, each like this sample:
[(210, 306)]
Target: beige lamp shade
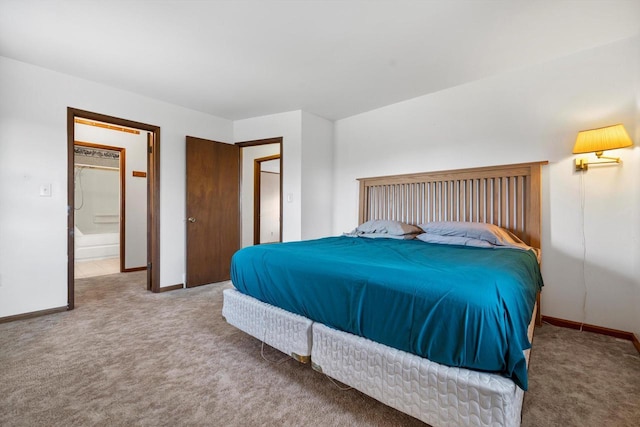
[(602, 139)]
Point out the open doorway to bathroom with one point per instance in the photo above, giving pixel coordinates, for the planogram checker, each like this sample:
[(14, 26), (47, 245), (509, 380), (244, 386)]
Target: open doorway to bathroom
[(99, 228), (124, 228)]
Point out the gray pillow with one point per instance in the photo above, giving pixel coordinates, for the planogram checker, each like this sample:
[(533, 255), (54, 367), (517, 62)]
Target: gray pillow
[(475, 230), (454, 240), (385, 226), (386, 236)]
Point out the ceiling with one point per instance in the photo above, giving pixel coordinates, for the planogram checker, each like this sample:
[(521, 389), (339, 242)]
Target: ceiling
[(240, 59)]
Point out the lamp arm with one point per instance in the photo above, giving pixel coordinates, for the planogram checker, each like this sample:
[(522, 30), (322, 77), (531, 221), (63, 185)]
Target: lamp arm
[(611, 159)]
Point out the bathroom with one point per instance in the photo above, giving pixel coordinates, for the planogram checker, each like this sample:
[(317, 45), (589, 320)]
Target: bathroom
[(110, 189)]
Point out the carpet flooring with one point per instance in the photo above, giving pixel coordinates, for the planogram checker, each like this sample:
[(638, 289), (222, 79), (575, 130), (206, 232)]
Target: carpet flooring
[(127, 357)]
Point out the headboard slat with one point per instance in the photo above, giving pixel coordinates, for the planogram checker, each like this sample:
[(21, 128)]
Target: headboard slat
[(508, 196)]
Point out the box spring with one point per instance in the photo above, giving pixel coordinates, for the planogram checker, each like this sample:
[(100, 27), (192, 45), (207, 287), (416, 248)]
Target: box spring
[(285, 331), (436, 394)]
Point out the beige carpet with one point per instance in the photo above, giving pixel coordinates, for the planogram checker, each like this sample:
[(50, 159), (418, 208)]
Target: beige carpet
[(129, 357)]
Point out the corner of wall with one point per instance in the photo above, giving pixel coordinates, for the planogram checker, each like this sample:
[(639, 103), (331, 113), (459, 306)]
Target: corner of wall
[(317, 176)]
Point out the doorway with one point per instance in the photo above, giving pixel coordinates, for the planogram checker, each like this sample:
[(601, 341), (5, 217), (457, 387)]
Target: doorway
[(99, 220), (152, 187), (262, 150), (267, 212)]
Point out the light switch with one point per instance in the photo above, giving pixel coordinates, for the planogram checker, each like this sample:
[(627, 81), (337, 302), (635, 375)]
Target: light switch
[(45, 190), (289, 197)]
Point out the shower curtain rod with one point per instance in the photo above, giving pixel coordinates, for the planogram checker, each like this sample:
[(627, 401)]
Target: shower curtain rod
[(82, 165)]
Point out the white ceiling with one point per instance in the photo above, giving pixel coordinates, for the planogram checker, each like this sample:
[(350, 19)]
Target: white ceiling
[(240, 59)]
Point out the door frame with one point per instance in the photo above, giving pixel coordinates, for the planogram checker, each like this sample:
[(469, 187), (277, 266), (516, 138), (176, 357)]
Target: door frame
[(153, 196), (257, 182), (122, 177), (252, 143)]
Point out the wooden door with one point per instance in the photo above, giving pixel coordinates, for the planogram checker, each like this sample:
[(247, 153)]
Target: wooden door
[(213, 210)]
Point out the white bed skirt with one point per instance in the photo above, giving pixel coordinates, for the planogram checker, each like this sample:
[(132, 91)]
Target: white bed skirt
[(436, 394), (285, 331)]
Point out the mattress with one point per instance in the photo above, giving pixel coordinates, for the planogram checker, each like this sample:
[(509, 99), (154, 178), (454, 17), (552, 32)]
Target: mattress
[(287, 332), (398, 293)]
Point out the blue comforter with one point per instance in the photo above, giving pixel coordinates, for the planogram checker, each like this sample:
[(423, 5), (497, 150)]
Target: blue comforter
[(455, 305)]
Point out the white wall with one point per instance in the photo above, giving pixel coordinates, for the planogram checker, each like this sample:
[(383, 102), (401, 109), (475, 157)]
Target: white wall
[(307, 159), (135, 146), (288, 126), (249, 154), (317, 176), (33, 151), (527, 115)]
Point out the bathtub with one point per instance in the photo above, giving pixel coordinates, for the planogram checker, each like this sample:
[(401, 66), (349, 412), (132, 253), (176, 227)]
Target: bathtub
[(96, 246)]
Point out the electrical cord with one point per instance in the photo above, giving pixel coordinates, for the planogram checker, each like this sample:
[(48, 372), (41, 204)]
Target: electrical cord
[(335, 383), (584, 249), (275, 362), (264, 337)]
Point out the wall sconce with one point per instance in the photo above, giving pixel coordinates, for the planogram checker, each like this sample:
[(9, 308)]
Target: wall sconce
[(599, 140)]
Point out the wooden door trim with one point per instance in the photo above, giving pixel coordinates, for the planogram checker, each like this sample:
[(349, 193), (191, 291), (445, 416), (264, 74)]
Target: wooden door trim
[(265, 141), (153, 197), (123, 173), (153, 210), (251, 143), (257, 182)]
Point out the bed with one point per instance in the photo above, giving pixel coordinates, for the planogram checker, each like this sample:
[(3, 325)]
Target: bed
[(452, 392)]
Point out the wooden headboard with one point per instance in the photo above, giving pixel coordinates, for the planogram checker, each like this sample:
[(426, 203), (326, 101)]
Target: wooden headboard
[(508, 196)]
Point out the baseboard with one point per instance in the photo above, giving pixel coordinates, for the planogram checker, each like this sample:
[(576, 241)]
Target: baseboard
[(629, 336), (171, 288), (32, 314), (130, 270), (636, 342)]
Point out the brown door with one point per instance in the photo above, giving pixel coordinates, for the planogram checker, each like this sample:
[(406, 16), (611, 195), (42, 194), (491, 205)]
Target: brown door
[(213, 209)]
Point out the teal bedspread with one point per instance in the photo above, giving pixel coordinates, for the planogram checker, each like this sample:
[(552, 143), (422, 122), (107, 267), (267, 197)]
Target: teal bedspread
[(455, 305)]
